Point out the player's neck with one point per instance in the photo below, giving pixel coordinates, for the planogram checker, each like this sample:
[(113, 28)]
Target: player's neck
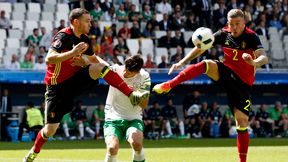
[(76, 32)]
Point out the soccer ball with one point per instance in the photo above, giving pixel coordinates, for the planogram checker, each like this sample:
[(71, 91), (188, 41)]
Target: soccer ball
[(203, 38)]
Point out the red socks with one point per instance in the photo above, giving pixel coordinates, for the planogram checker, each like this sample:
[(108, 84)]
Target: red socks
[(188, 73), (39, 142), (115, 80), (242, 144)]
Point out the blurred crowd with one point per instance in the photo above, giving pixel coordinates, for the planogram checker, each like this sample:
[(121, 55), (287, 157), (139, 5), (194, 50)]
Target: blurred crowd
[(136, 21)]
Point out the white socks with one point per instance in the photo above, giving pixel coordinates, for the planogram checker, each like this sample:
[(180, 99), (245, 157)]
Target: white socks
[(168, 128), (66, 130), (81, 130), (181, 128), (138, 155), (97, 126), (90, 131), (110, 158)]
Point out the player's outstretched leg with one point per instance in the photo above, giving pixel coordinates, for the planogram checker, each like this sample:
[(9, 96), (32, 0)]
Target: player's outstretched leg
[(113, 79), (188, 73)]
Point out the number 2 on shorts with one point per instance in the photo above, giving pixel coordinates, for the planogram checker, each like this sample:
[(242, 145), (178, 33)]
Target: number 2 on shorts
[(247, 106)]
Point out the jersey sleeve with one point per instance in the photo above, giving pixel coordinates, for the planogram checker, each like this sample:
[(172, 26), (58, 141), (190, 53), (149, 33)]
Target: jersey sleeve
[(255, 42), (219, 37), (59, 42)]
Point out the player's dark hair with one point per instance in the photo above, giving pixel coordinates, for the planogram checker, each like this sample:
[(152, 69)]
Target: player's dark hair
[(77, 13), (134, 63), (235, 13)]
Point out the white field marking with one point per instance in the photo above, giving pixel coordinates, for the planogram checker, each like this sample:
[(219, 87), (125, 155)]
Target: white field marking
[(51, 160)]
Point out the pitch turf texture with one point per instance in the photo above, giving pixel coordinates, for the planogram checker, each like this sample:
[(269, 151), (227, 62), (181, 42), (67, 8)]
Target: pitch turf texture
[(169, 150)]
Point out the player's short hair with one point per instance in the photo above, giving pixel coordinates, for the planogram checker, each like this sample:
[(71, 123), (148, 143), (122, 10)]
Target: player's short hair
[(134, 63), (77, 13), (235, 13)]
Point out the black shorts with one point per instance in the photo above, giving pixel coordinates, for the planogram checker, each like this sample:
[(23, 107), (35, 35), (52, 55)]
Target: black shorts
[(60, 98), (238, 92)]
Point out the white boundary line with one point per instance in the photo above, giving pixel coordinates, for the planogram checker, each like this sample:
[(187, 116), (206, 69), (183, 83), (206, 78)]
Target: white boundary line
[(51, 160)]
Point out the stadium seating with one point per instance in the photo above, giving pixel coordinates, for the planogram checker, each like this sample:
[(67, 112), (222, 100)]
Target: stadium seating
[(34, 7), (47, 24), (19, 7), (3, 34), (146, 49), (7, 7), (133, 45), (33, 16), (18, 16), (159, 53), (30, 25), (17, 24)]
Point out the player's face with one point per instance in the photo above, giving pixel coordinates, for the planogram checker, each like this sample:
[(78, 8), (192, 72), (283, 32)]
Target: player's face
[(236, 26), (85, 23), (129, 74)]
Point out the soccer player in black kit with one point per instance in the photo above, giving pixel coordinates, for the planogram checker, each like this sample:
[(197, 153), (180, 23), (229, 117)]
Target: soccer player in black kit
[(73, 68)]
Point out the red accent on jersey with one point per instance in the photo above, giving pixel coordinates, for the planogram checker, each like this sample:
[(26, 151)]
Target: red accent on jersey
[(233, 59), (57, 73)]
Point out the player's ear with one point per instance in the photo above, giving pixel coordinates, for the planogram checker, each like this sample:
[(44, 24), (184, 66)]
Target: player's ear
[(75, 22)]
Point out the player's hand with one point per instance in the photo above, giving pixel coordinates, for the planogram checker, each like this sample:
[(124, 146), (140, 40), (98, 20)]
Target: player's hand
[(175, 67), (79, 48), (248, 59)]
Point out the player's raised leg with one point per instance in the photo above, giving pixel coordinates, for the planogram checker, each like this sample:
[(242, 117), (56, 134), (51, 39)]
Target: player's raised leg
[(113, 79), (208, 67)]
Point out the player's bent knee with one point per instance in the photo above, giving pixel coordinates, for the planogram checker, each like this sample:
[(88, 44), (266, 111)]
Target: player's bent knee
[(50, 129), (49, 132), (137, 146), (242, 122), (95, 70), (112, 147), (112, 150)]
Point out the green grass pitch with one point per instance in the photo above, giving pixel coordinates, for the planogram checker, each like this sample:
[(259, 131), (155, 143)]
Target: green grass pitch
[(169, 150)]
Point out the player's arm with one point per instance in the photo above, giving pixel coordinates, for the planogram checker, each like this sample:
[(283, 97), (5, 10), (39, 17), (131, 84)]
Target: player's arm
[(55, 54), (54, 57), (260, 58), (259, 53)]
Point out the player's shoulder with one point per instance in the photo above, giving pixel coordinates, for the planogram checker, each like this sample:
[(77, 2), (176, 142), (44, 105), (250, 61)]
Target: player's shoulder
[(144, 73), (64, 33), (249, 31)]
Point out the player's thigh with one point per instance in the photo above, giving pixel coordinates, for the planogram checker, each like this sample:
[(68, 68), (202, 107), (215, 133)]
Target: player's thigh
[(81, 81), (241, 118), (56, 108), (212, 69), (113, 128), (135, 130)]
